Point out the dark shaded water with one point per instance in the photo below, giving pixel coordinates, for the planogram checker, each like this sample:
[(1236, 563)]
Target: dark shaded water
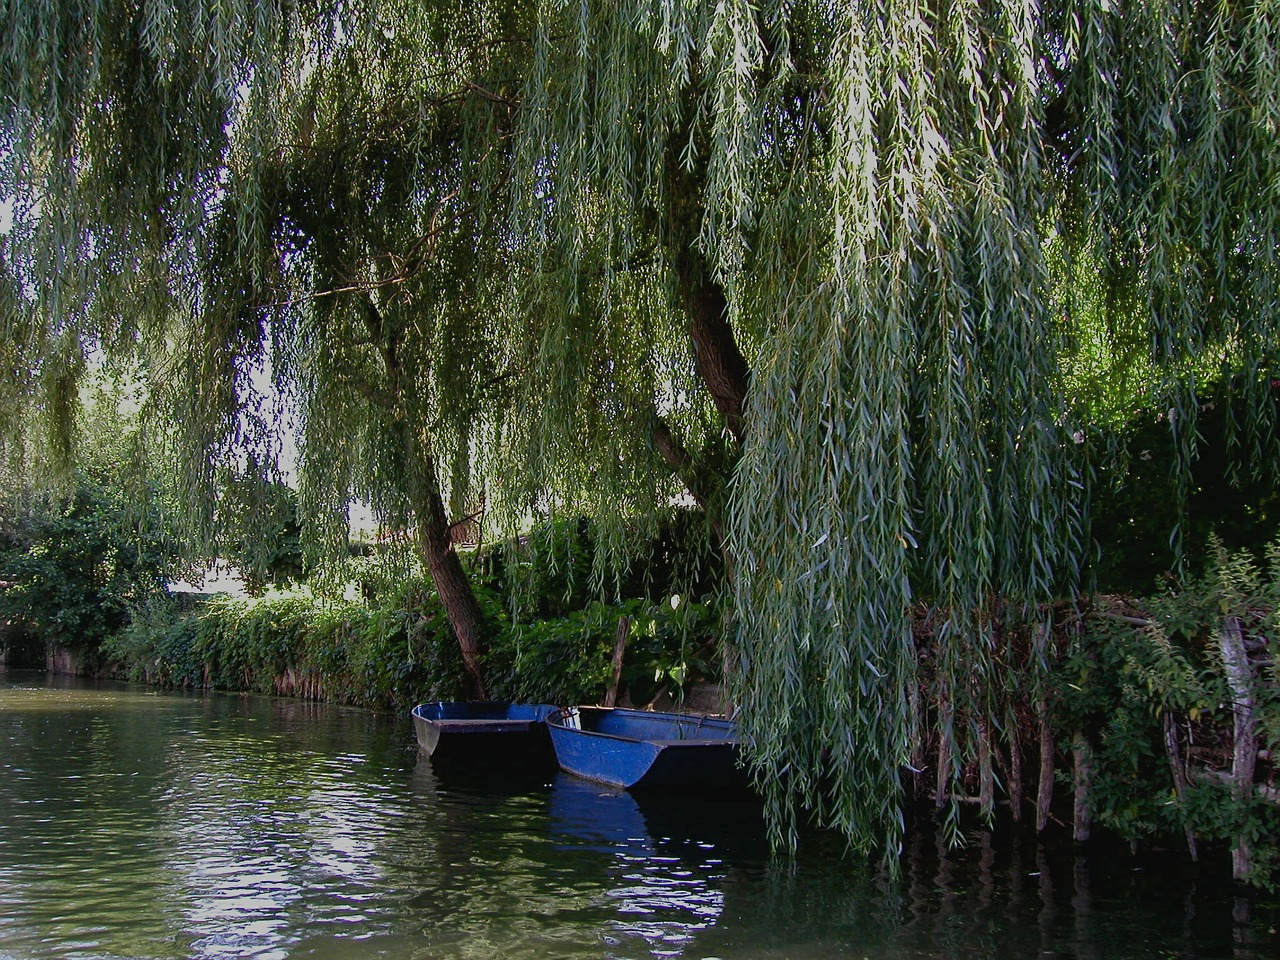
[(154, 825)]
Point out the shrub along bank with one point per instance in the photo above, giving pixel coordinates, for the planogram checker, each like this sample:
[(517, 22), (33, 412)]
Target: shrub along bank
[(550, 637), (401, 651), (1155, 718)]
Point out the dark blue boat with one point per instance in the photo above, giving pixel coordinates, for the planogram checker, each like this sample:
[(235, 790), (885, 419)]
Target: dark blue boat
[(640, 750), (484, 731)]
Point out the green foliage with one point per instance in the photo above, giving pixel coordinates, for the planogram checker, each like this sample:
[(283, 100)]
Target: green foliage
[(672, 645), (158, 644), (1141, 531), (378, 570), (1113, 687), (263, 538), (560, 640), (295, 644), (549, 573), (561, 565), (567, 659), (75, 567), (1121, 683), (401, 650), (1235, 584), (564, 660)]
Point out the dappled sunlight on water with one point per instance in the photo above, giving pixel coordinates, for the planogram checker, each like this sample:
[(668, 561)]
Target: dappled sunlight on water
[(143, 825)]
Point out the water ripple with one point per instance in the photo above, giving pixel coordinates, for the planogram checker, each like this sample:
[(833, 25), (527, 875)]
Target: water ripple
[(156, 827)]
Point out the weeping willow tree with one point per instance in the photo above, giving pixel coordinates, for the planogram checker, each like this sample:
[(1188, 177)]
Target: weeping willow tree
[(833, 270), (265, 208)]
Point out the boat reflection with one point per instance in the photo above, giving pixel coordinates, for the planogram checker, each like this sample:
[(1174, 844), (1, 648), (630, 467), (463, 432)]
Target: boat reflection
[(648, 872), (672, 856), (698, 829), (585, 815)]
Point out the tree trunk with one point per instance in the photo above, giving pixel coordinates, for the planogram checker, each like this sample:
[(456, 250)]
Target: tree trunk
[(720, 362), (422, 487), (442, 561)]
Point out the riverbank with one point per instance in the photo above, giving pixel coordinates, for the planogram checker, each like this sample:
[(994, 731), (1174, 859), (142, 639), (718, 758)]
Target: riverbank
[(1152, 721)]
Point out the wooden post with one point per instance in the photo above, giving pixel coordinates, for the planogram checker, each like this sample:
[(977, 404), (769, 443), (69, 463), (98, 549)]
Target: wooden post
[(1245, 753), (1044, 789), (1015, 767), (1174, 756), (916, 735), (1082, 753), (945, 747), (619, 647), (986, 775)]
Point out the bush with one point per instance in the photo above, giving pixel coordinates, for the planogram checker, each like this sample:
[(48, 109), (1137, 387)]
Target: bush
[(389, 656), (568, 659), (158, 645), (1142, 672), (76, 566)]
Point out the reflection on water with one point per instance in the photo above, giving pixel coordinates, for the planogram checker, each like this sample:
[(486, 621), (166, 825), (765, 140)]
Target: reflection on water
[(669, 858), (144, 825)]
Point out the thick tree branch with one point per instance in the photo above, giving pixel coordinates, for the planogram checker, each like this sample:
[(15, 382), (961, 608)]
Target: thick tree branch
[(706, 489), (719, 360)]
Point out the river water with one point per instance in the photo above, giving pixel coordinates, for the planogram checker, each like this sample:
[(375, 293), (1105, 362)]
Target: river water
[(139, 824)]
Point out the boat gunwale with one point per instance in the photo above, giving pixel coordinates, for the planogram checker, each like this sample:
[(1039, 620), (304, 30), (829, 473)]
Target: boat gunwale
[(540, 712), (556, 722)]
